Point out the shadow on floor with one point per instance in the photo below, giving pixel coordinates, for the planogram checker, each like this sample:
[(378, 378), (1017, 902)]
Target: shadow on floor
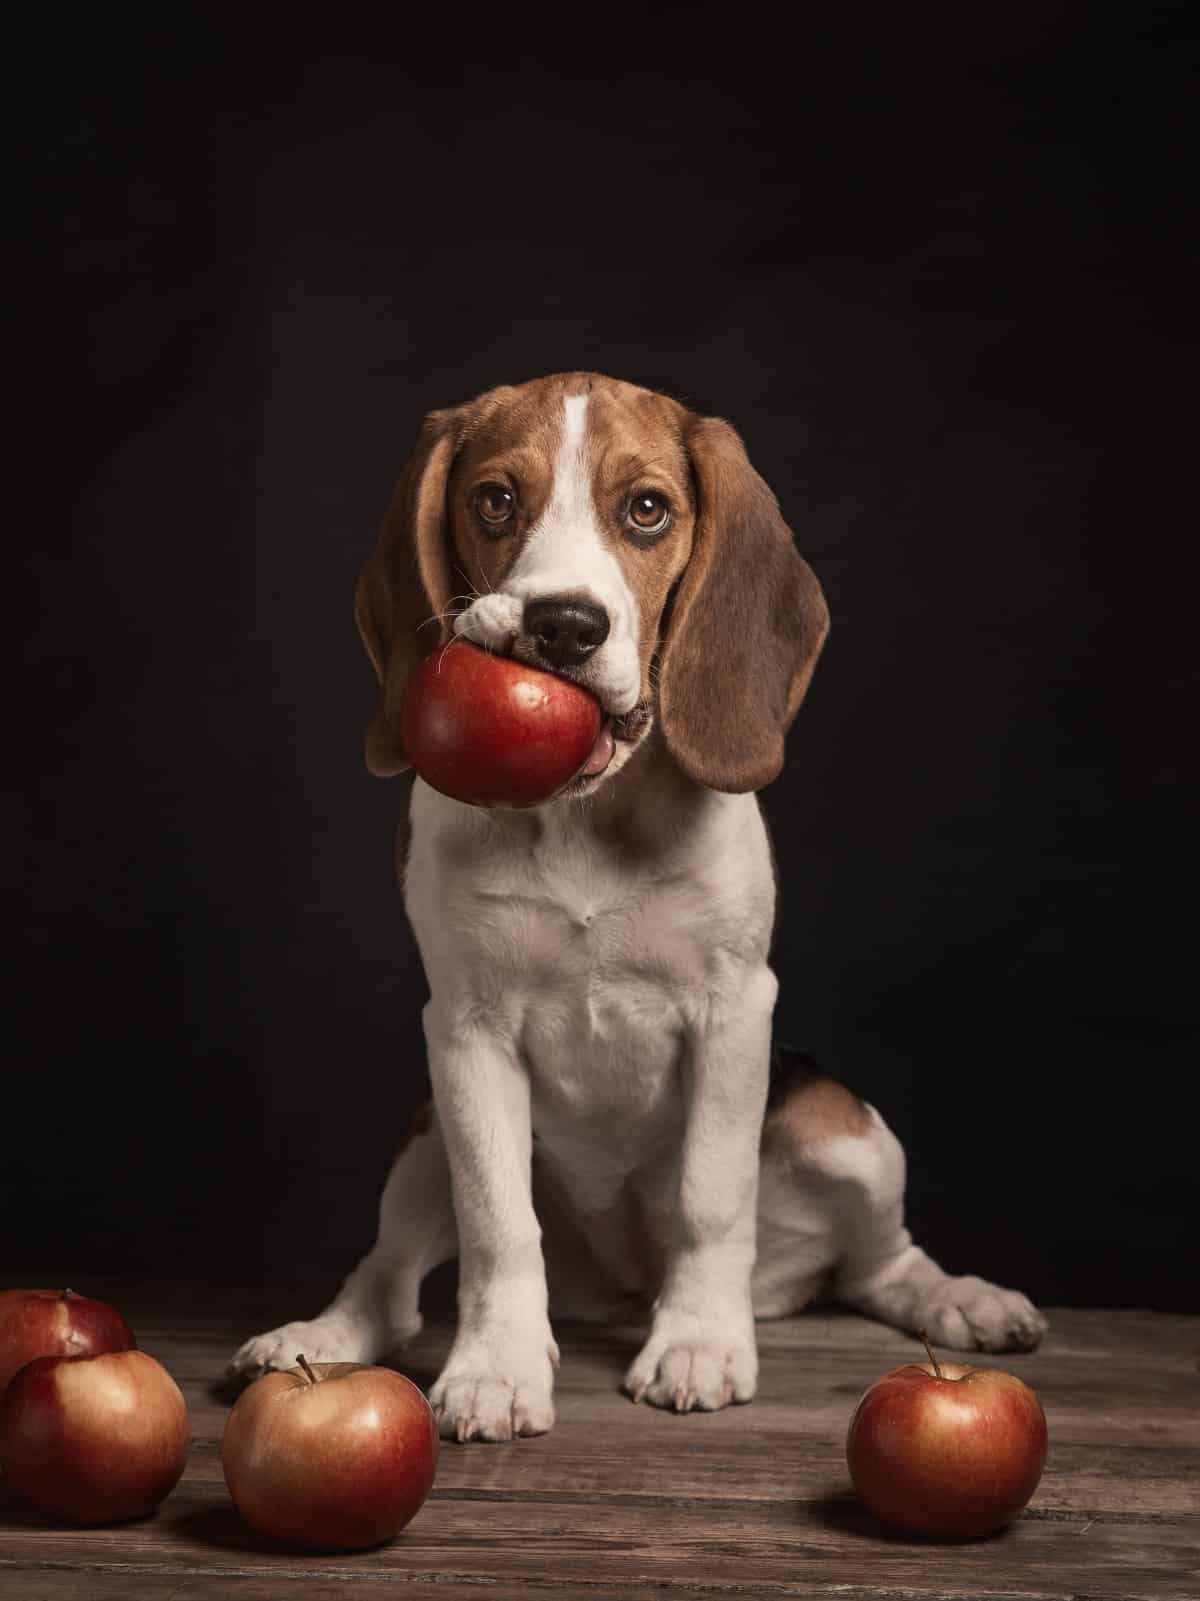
[(223, 1528), (841, 1510)]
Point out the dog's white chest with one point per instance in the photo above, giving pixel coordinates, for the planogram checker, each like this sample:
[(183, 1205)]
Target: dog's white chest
[(596, 960), (603, 972)]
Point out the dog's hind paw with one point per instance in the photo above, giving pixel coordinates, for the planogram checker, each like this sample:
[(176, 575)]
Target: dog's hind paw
[(969, 1314)]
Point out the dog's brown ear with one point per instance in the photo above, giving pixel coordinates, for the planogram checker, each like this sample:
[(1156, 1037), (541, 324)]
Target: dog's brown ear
[(746, 627), (404, 588)]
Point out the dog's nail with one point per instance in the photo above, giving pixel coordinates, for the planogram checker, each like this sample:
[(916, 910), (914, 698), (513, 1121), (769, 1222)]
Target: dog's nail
[(636, 1395), (681, 1399)]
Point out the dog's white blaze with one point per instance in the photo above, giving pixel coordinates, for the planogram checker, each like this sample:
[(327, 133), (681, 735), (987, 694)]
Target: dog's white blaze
[(566, 554), (571, 496)]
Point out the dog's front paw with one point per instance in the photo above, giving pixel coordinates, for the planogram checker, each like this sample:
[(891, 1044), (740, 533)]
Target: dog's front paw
[(969, 1314), (492, 621), (324, 1339), (694, 1372), (496, 1388)]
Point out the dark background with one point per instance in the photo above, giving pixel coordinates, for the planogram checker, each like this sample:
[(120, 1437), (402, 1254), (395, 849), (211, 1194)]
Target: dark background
[(929, 259)]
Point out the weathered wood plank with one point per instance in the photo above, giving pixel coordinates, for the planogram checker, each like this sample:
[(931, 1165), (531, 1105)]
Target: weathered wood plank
[(91, 1584), (452, 1539), (773, 1422), (1122, 1481)]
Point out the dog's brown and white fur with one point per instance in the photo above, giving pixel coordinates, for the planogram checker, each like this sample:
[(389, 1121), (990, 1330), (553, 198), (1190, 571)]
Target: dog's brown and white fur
[(599, 1025)]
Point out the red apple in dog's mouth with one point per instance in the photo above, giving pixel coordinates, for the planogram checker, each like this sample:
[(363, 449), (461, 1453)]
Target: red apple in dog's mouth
[(494, 731)]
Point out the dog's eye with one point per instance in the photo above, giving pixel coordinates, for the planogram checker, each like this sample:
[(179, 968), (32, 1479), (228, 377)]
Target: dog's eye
[(495, 505), (649, 514)]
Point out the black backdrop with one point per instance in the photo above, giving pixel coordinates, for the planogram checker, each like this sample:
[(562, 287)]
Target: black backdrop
[(929, 259)]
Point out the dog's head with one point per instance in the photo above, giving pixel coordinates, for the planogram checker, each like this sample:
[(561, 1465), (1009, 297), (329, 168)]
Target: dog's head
[(609, 534)]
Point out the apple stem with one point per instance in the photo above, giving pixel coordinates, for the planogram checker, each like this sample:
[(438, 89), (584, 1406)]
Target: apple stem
[(937, 1372), (302, 1362), (67, 1294)]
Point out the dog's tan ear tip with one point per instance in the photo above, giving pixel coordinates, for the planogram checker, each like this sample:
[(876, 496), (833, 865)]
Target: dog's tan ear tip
[(729, 778), (824, 620), (382, 753)]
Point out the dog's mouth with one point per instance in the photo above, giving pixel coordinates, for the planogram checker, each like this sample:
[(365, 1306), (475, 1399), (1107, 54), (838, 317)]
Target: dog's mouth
[(631, 725), (628, 728)]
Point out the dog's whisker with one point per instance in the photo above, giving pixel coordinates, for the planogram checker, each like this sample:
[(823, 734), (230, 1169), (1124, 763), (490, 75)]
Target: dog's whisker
[(475, 592), (455, 610)]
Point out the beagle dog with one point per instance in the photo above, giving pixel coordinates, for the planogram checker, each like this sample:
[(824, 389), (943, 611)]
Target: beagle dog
[(610, 1135)]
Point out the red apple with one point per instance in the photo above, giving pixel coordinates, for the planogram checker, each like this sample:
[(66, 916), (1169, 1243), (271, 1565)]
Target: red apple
[(94, 1439), (494, 731), (56, 1323), (947, 1449), (336, 1455)]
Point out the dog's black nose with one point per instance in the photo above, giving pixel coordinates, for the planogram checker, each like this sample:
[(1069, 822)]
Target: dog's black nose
[(566, 632)]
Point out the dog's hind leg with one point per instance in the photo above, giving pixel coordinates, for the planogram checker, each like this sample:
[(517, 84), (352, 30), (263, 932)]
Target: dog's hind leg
[(377, 1307), (831, 1217)]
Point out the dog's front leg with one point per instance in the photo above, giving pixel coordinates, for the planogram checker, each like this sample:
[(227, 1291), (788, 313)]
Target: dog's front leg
[(498, 1378), (701, 1353)]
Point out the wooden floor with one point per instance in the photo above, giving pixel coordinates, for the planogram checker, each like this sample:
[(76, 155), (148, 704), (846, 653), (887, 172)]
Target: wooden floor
[(625, 1501)]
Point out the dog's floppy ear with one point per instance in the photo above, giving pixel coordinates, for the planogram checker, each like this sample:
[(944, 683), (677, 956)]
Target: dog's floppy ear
[(746, 627), (406, 582)]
